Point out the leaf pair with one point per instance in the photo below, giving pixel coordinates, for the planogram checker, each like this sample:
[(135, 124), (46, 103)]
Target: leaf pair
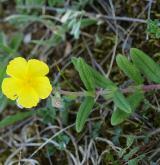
[(146, 65), (124, 108), (118, 116), (129, 69), (142, 63), (92, 79)]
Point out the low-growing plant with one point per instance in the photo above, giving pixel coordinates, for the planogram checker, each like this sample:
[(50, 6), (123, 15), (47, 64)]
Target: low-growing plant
[(153, 29), (125, 100), (123, 107)]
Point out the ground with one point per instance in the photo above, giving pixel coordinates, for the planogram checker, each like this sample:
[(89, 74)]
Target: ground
[(55, 31)]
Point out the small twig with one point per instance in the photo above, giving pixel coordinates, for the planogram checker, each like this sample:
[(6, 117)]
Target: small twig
[(88, 14), (144, 88), (116, 39), (148, 15), (71, 93)]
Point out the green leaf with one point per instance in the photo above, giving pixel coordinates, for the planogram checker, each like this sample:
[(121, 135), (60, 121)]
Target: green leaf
[(55, 2), (153, 28), (22, 18), (3, 102), (34, 2), (148, 67), (140, 157), (118, 116), (131, 153), (85, 22), (16, 41), (133, 161), (48, 115), (85, 73), (100, 80), (130, 140), (15, 118), (135, 99), (3, 39), (121, 102), (129, 69), (3, 65), (76, 29), (83, 113)]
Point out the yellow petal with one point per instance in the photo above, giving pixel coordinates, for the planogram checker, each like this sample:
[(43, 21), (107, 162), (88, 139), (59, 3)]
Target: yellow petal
[(10, 87), (37, 68), (17, 67), (42, 86), (27, 97)]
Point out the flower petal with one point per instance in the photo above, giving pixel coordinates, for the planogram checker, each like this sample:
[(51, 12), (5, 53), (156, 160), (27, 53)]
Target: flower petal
[(28, 97), (10, 87), (17, 67), (42, 86), (37, 68)]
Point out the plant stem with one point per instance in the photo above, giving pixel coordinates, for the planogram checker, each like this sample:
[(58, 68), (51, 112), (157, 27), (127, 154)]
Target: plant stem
[(144, 88), (71, 93)]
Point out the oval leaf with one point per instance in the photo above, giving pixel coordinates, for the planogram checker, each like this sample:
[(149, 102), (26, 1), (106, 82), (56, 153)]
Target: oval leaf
[(121, 102), (118, 116), (15, 118), (83, 113), (100, 80), (148, 67), (85, 73), (3, 102), (129, 69)]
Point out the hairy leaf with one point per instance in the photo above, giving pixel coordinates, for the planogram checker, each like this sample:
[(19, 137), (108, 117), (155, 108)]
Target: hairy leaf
[(85, 73), (100, 80), (15, 42), (148, 67), (129, 69), (118, 116), (121, 102), (15, 118), (83, 113)]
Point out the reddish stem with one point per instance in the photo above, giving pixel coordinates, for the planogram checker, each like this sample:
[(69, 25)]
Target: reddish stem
[(145, 88)]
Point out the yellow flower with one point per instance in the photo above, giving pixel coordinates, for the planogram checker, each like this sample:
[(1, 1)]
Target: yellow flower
[(27, 82)]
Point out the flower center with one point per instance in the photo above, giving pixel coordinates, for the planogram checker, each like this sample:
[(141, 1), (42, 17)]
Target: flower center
[(28, 81)]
